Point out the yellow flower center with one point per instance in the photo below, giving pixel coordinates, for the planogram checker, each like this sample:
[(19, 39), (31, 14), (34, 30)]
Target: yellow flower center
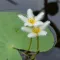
[(31, 20), (36, 30)]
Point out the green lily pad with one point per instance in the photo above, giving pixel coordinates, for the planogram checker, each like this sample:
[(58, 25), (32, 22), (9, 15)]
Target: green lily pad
[(12, 36)]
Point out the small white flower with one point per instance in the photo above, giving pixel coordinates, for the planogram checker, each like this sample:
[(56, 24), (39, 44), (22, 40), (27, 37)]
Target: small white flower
[(32, 20), (36, 31)]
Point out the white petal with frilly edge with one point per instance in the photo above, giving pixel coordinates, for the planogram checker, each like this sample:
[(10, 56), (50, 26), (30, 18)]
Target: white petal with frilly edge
[(38, 23), (40, 16), (45, 25), (43, 33), (28, 24), (23, 18), (26, 29), (31, 35), (30, 13)]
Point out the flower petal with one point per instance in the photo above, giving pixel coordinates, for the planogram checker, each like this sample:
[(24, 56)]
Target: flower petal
[(40, 16), (31, 35), (30, 13), (38, 23), (27, 24), (45, 25), (26, 29), (43, 33), (23, 18)]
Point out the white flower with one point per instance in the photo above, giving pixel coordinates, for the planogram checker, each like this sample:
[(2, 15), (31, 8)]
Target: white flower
[(32, 20), (36, 31)]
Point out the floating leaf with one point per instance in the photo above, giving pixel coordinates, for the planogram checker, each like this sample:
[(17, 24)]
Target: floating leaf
[(12, 36)]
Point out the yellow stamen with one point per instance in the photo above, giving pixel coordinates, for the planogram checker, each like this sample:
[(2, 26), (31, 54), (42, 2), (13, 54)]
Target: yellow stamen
[(36, 30), (31, 20)]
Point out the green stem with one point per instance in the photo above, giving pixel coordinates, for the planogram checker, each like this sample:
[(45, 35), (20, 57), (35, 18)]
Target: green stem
[(37, 44), (30, 44), (26, 52), (33, 57)]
